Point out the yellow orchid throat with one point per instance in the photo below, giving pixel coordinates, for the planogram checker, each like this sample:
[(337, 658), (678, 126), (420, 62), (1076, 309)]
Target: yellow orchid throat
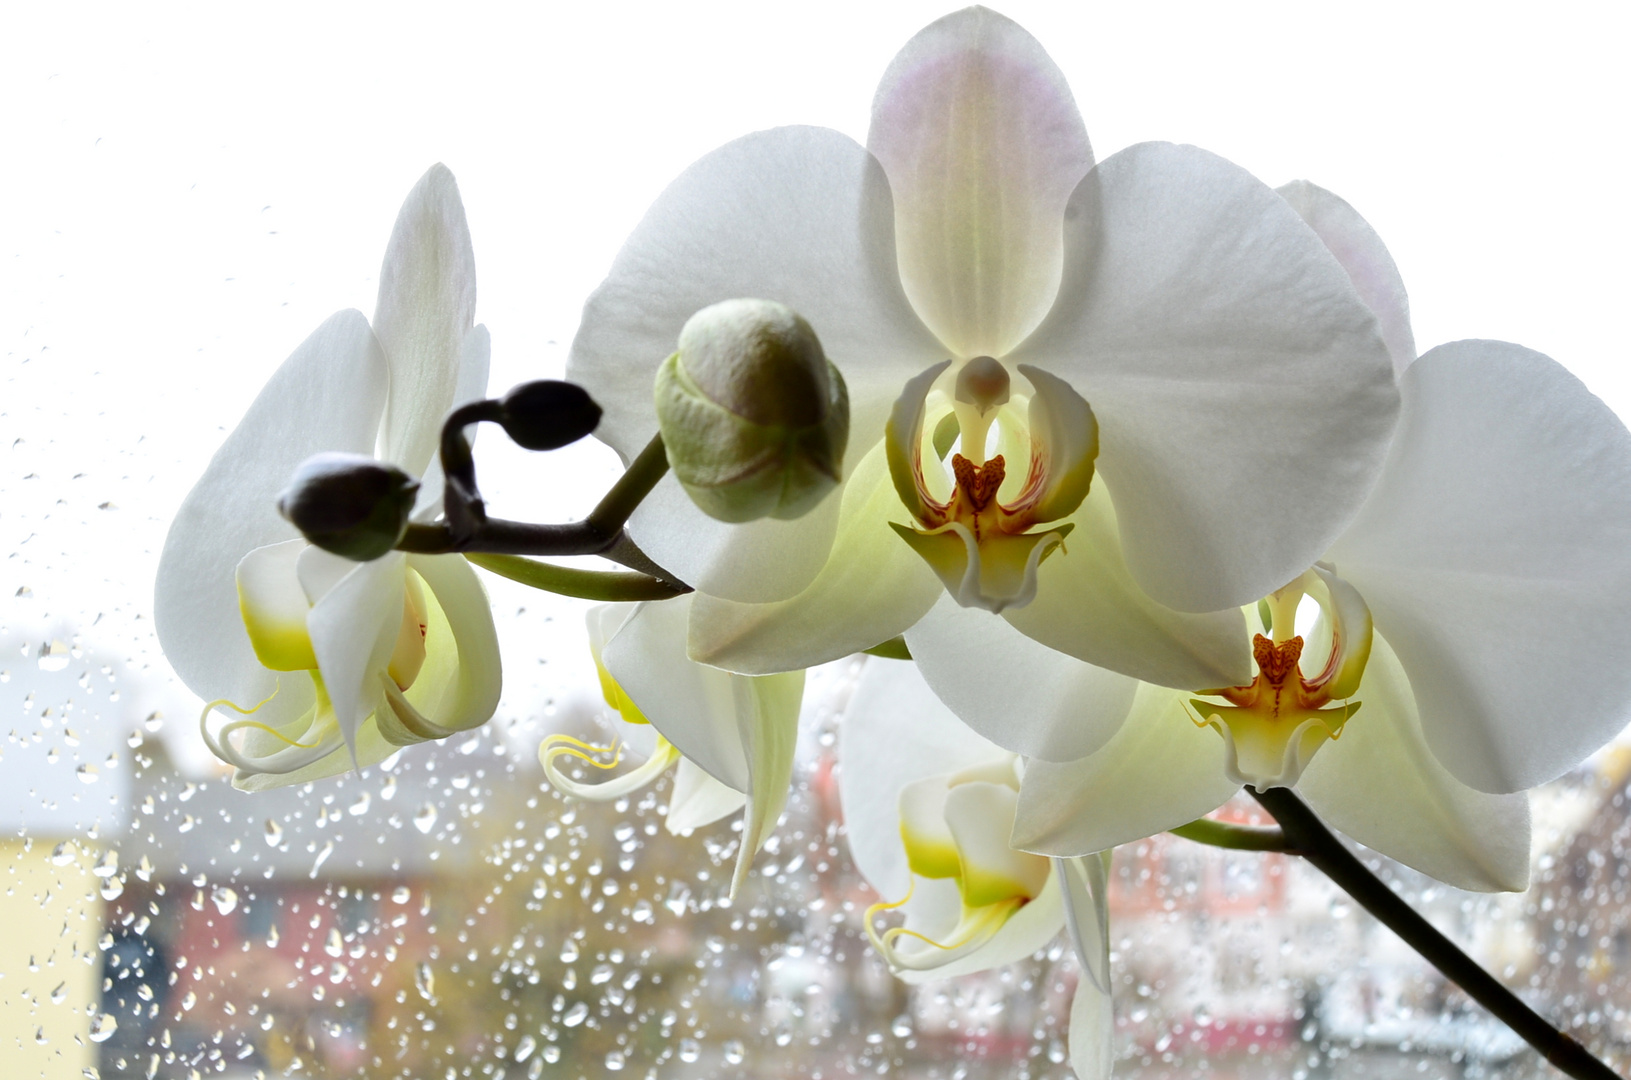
[(974, 538), (956, 828), (1273, 725)]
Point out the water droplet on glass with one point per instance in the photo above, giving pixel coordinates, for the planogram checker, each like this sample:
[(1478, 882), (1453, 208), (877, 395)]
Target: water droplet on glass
[(400, 895), (575, 1015), (88, 774), (39, 1036), (425, 819), (614, 1062), (189, 1001), (902, 1027), (524, 1048), (133, 740), (601, 974), (334, 946), (551, 1054), (424, 981), (60, 994), (107, 865), (103, 1028), (569, 951), (734, 1052), (187, 823), (337, 973), (54, 657), (360, 807), (387, 790), (225, 899), (62, 855), (113, 887), (154, 721), (274, 833), (679, 894), (689, 1050)]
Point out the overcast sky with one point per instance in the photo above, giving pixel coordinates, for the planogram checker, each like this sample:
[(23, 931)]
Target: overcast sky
[(185, 195)]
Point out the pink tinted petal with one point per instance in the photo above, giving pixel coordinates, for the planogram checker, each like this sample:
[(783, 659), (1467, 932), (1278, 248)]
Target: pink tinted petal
[(983, 144)]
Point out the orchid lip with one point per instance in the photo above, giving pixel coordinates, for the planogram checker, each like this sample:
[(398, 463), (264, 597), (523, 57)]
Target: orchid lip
[(987, 555), (1272, 726)]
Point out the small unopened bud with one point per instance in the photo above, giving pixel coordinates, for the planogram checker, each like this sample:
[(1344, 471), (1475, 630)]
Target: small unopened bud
[(753, 415), (548, 414), (349, 504)]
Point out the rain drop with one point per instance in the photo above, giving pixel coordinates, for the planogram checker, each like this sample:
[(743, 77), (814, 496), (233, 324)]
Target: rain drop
[(689, 1050), (424, 981), (104, 1027), (425, 819), (61, 855), (274, 833), (360, 807), (54, 657), (524, 1048), (60, 994), (400, 895), (575, 1015), (334, 946), (107, 865), (88, 774), (225, 899), (734, 1052)]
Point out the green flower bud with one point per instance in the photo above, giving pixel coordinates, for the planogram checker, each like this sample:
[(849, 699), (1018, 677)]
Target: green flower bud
[(753, 415), (349, 504), (547, 414)]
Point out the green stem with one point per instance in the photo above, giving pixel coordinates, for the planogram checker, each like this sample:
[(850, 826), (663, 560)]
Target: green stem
[(603, 585), (893, 649), (1320, 846), (1236, 837), (634, 485)]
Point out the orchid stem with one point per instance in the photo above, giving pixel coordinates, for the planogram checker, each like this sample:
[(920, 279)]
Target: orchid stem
[(609, 586), (1313, 841), (633, 486), (1224, 834)]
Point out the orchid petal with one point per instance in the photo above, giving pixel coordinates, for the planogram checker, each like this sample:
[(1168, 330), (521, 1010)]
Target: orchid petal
[(1159, 771), (983, 144), (1015, 691), (698, 799), (767, 717), (1243, 391), (693, 706), (475, 355), (801, 216), (274, 606), (991, 871), (1085, 887), (903, 441), (1496, 556), (1363, 255), (1088, 606), (328, 395), (459, 686), (353, 630), (872, 588), (1064, 444), (1092, 1032), (893, 709), (426, 306), (1381, 785)]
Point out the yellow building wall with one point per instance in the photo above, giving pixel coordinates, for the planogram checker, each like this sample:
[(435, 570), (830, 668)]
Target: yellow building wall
[(50, 966)]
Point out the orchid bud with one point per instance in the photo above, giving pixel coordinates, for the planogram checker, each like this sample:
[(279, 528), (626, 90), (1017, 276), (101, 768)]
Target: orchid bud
[(547, 414), (349, 504), (753, 415)]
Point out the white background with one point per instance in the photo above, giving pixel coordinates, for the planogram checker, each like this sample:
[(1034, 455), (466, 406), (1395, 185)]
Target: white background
[(186, 192)]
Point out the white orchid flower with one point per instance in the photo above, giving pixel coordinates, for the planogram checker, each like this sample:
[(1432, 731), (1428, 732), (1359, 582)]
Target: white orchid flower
[(1474, 622), (331, 663), (928, 820), (1171, 367), (733, 736)]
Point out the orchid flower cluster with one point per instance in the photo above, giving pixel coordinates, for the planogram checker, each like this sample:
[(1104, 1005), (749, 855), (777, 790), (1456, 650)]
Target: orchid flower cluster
[(1077, 449)]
